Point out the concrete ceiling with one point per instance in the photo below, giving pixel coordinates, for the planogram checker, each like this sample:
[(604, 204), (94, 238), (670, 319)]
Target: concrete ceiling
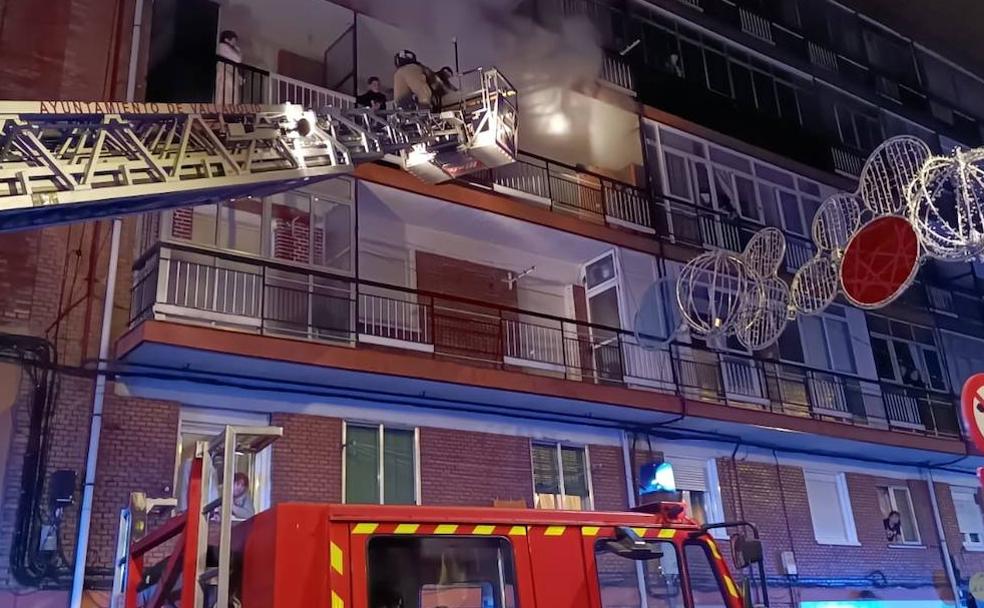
[(952, 28)]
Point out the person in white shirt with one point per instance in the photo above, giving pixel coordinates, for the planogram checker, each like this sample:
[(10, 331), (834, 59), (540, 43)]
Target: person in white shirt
[(242, 502), (228, 81)]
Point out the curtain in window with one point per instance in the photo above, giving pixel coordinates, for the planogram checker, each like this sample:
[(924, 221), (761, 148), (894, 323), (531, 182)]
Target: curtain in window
[(361, 465), (546, 475)]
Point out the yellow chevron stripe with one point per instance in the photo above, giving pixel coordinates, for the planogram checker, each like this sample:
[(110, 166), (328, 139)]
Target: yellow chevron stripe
[(406, 529), (517, 531), (336, 601), (337, 561), (640, 531), (730, 584), (555, 531), (590, 530), (666, 533), (714, 551), (446, 529), (483, 530), (364, 528)]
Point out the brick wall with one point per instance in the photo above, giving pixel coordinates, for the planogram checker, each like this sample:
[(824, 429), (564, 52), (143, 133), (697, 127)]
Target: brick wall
[(608, 478), (307, 461), (967, 562), (473, 469), (775, 499)]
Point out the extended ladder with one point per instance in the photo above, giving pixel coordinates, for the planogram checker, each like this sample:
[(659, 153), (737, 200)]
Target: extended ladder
[(67, 161)]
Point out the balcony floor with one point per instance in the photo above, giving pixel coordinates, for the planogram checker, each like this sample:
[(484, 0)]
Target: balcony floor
[(157, 358)]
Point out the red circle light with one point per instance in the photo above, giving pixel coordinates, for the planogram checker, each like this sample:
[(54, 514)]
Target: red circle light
[(879, 261)]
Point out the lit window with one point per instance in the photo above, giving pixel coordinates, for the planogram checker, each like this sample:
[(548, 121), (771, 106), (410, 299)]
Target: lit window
[(969, 518), (380, 465), (560, 477), (830, 508), (899, 517)]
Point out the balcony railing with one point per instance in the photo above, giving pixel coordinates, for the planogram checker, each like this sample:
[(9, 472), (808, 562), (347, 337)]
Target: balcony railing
[(187, 284)]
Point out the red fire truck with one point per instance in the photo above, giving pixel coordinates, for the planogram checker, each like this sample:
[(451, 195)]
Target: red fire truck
[(295, 555)]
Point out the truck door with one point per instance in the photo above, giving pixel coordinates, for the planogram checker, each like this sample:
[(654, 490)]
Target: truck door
[(558, 567), (621, 582), (438, 565)]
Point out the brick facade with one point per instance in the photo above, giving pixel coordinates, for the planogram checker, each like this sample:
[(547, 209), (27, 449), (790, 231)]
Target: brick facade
[(306, 464)]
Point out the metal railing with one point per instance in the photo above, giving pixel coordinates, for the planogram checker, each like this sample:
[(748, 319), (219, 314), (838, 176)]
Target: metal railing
[(187, 284), (288, 90), (617, 71), (239, 83)]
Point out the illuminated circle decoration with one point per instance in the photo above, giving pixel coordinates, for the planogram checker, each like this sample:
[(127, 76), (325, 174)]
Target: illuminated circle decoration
[(972, 408), (814, 286), (946, 206), (765, 252), (888, 172), (836, 220), (710, 291), (761, 321), (879, 262)]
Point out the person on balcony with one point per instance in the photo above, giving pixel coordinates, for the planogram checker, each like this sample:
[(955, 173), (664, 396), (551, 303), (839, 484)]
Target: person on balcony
[(412, 82), (373, 98), (228, 80), (442, 87)]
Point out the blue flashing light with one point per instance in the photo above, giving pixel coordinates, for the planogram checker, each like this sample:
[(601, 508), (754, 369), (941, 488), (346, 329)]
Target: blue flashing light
[(657, 477)]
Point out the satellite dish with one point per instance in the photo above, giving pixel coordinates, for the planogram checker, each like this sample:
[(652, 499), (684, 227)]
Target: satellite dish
[(658, 319)]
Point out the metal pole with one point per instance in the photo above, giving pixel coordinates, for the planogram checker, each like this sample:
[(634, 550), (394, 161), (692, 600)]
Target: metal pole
[(99, 396), (944, 549)]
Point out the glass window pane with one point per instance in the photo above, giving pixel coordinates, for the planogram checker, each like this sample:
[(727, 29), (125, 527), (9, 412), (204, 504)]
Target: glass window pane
[(693, 62), (724, 189), (704, 197), (814, 343), (744, 88), (603, 308), (332, 235), (841, 350), (399, 480), (790, 348), (677, 176), (546, 470), (600, 271), (704, 582), (934, 369), (361, 465), (717, 73), (883, 359), (910, 533), (619, 583), (747, 200), (428, 572), (240, 224), (575, 478), (792, 218), (290, 227), (788, 107), (908, 369), (765, 93)]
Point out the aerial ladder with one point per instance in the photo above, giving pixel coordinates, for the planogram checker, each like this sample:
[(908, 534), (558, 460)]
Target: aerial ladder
[(66, 161)]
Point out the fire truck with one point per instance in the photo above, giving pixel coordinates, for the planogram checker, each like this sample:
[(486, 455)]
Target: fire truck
[(372, 556)]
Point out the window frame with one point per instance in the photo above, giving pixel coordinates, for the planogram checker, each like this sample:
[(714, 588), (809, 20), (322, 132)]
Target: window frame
[(912, 509), (844, 506), (208, 421), (917, 349), (381, 467), (962, 493), (558, 447)]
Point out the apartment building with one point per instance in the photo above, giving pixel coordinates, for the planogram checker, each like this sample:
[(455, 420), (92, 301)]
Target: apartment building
[(510, 337)]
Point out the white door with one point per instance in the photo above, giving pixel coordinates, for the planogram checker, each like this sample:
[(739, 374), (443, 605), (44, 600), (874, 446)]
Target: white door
[(602, 284)]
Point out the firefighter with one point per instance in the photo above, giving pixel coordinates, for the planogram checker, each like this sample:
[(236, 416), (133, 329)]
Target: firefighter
[(411, 82)]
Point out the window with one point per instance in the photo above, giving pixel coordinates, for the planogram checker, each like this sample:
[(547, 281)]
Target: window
[(380, 465), (705, 585), (560, 477), (899, 518), (857, 129), (428, 572), (906, 354), (969, 518), (202, 425), (618, 578), (830, 508), (696, 480)]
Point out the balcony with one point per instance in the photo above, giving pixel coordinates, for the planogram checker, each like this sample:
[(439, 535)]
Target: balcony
[(187, 284)]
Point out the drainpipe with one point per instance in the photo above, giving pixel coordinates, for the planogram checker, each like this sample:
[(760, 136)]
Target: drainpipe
[(99, 394), (944, 548)]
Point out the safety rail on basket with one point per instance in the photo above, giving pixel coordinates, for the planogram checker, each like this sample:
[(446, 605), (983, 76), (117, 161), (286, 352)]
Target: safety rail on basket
[(185, 573)]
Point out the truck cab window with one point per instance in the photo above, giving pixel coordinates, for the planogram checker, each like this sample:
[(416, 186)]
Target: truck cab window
[(433, 572), (705, 584), (619, 584)]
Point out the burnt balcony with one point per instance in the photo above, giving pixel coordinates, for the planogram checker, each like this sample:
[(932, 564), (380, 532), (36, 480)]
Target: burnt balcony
[(186, 284)]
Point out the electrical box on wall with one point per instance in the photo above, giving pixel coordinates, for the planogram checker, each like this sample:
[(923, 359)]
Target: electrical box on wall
[(788, 563)]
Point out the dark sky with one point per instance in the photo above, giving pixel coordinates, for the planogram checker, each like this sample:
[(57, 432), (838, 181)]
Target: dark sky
[(953, 28)]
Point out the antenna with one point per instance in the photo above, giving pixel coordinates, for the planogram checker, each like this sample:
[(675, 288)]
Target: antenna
[(512, 279)]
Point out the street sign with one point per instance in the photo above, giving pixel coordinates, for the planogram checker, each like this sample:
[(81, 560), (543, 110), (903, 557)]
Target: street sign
[(972, 406)]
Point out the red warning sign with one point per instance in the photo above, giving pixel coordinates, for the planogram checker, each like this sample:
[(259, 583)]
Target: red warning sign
[(972, 406)]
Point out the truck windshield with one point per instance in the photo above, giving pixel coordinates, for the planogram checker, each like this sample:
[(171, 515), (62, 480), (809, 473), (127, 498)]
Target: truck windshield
[(661, 581)]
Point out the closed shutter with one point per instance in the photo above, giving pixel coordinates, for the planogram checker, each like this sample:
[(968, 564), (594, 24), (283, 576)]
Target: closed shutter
[(969, 517), (689, 473), (827, 509)]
